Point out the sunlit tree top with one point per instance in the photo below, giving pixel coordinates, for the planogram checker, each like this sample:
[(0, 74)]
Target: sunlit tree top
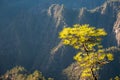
[(77, 35)]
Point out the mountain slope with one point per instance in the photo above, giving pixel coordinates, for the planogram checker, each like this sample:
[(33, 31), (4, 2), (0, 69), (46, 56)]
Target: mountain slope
[(29, 34)]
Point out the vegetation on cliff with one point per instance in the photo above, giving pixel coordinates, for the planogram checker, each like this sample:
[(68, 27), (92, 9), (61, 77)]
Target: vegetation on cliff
[(20, 73), (91, 55)]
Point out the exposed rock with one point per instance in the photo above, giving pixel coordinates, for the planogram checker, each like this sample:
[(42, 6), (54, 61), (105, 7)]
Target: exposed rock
[(117, 29), (56, 12)]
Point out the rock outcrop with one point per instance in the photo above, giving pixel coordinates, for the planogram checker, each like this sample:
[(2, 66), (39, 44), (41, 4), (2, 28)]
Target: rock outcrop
[(117, 29)]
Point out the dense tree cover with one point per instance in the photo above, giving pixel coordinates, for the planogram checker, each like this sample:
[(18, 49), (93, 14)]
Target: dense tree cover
[(91, 55), (20, 73)]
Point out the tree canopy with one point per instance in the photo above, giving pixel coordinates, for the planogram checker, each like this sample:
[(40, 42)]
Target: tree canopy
[(91, 55), (20, 73)]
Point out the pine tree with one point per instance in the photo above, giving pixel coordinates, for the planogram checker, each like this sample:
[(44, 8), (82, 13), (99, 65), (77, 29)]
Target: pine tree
[(91, 55)]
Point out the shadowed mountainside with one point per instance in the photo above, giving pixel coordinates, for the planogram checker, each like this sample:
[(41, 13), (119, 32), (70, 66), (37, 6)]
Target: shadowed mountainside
[(28, 35)]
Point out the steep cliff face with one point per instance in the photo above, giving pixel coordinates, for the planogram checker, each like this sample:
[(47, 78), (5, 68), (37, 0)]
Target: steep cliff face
[(117, 29), (28, 38), (28, 35)]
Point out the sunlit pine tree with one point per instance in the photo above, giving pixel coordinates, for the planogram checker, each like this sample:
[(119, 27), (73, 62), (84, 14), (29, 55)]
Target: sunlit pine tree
[(91, 55)]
